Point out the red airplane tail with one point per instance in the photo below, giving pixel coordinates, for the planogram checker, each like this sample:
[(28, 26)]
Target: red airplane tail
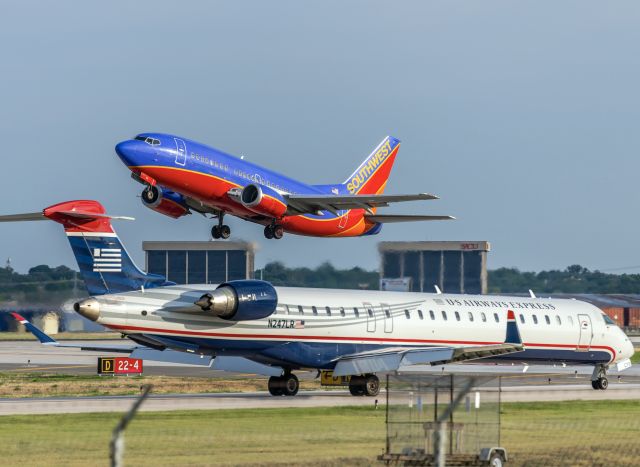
[(372, 175)]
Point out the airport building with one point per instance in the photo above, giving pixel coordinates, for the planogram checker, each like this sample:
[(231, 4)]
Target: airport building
[(455, 267), (200, 262)]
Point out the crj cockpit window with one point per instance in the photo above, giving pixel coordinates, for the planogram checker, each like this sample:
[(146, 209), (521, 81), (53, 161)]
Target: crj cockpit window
[(608, 320), (148, 140)]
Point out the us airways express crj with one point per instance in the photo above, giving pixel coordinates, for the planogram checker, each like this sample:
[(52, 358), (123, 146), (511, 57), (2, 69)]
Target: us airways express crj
[(251, 326), (182, 176)]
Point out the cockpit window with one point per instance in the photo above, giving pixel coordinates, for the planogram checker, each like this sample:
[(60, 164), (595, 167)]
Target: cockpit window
[(148, 140), (608, 320)]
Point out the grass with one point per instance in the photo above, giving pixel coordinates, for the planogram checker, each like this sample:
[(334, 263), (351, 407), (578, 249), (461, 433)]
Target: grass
[(25, 384), (535, 434), (62, 336), (636, 356)]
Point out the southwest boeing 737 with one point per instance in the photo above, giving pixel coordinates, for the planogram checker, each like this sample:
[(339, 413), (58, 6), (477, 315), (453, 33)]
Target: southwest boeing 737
[(251, 326), (182, 176)]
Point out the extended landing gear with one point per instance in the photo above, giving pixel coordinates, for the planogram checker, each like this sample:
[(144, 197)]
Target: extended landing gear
[(274, 231), (286, 385), (599, 378), (221, 230), (367, 385)]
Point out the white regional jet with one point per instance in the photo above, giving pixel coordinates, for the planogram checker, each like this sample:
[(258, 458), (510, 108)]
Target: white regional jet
[(251, 326)]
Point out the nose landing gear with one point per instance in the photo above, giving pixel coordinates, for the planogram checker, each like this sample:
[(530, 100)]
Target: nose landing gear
[(599, 378), (221, 230)]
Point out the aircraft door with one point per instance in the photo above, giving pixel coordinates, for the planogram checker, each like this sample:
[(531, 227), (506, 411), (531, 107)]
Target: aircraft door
[(586, 333), (181, 155), (371, 316), (388, 318)]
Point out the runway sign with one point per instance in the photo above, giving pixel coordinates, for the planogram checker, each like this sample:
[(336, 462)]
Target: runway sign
[(119, 366), (327, 379)]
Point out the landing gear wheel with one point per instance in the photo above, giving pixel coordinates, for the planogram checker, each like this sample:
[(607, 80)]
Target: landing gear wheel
[(291, 385), (278, 232), (357, 386), (603, 383), (225, 231), (268, 232), (215, 232), (594, 384), (150, 194), (371, 385), (496, 460), (275, 386)]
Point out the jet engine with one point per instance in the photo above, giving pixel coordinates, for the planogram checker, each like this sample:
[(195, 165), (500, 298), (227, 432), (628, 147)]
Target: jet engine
[(263, 200), (165, 202), (241, 300)]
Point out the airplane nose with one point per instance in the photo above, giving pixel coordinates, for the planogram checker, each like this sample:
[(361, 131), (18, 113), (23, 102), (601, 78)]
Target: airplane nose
[(89, 308), (129, 152), (628, 350)]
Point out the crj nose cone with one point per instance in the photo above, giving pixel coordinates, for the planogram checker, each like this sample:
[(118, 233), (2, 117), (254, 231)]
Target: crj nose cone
[(89, 308)]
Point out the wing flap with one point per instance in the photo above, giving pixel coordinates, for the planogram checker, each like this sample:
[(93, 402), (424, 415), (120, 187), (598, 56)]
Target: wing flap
[(311, 204)]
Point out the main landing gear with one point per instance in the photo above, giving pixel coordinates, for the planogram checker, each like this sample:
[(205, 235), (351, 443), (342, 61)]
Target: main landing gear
[(364, 385), (274, 231), (221, 230), (285, 385), (599, 378)]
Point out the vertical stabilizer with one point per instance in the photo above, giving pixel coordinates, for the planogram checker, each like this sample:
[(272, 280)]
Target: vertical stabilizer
[(370, 178)]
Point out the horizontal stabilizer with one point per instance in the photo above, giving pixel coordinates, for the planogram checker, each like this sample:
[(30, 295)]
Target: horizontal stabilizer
[(28, 216), (390, 218), (39, 216)]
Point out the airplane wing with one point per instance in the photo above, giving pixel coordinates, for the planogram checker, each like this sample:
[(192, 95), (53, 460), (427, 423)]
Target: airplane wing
[(393, 358), (388, 218), (311, 204)]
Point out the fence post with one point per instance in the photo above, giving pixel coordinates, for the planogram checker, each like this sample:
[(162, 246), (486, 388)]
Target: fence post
[(116, 446)]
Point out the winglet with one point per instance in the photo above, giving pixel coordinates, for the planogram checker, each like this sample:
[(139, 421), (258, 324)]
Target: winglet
[(513, 334), (42, 337)]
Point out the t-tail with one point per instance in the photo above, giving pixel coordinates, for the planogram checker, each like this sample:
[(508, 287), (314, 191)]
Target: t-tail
[(370, 178), (104, 263)]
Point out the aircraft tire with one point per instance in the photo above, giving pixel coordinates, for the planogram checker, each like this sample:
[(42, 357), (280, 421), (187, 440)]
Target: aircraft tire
[(150, 194), (215, 232), (603, 383), (278, 232), (276, 386), (225, 231), (357, 386), (291, 385), (595, 384), (371, 385), (268, 232)]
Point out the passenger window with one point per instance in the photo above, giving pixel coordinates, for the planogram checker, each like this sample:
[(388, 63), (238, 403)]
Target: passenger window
[(328, 310), (470, 316), (432, 314), (444, 315), (521, 318), (370, 311), (314, 310), (535, 319), (300, 310), (342, 313), (457, 315), (496, 317), (484, 317), (286, 309), (570, 320), (406, 313), (558, 320), (387, 313), (546, 318), (356, 312), (420, 314)]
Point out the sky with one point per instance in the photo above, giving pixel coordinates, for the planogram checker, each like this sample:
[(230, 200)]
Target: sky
[(522, 116)]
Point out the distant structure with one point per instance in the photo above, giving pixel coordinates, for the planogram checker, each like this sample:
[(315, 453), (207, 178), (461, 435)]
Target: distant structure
[(455, 267), (211, 262)]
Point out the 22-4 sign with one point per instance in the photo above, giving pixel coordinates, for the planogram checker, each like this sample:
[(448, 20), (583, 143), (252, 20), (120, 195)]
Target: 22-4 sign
[(119, 366)]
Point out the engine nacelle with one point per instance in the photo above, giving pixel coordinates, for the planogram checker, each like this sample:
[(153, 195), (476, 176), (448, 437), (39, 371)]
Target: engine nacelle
[(241, 300), (165, 202), (263, 200)]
